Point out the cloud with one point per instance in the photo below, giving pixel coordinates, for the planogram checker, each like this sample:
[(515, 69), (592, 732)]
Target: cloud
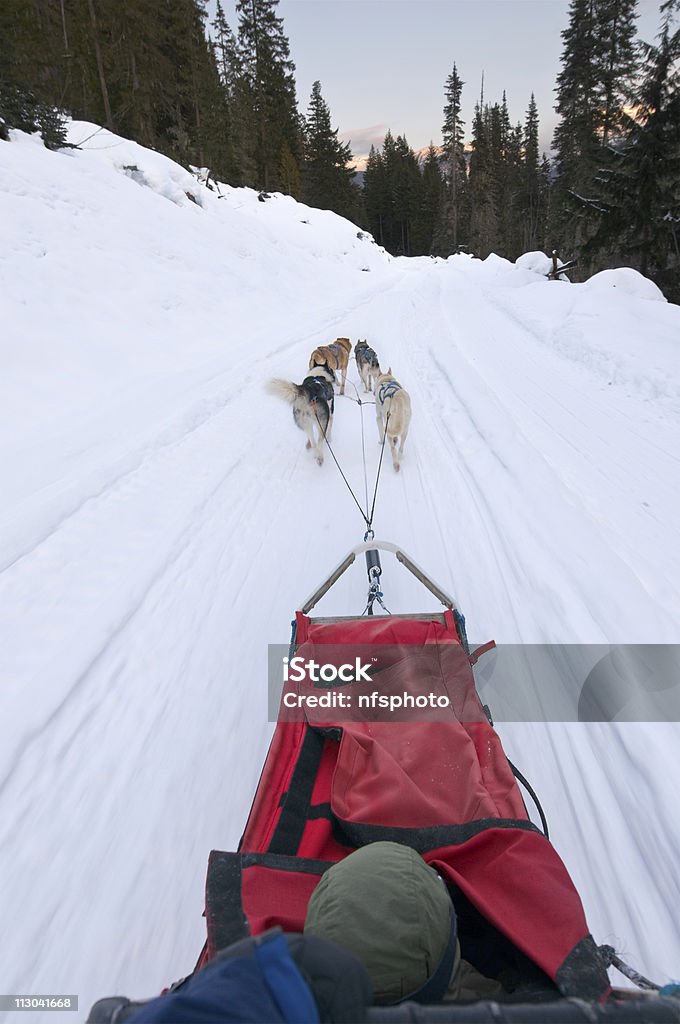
[(361, 140)]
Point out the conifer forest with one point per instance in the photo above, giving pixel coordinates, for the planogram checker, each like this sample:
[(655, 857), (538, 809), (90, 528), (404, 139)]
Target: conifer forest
[(223, 97)]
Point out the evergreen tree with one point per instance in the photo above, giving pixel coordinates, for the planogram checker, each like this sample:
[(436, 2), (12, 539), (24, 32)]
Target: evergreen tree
[(394, 198), (390, 231), (33, 69), (532, 235), (599, 65), (454, 144), (615, 27), (226, 52), (512, 188), (401, 182), (145, 70), (327, 180), (637, 203), (376, 196), (430, 239), (242, 128), (268, 89), (575, 141), (483, 201)]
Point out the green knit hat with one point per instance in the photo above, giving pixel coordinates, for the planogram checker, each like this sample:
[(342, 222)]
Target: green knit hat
[(386, 906)]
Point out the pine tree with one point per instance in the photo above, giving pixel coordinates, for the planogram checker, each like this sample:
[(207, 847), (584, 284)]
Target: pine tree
[(226, 53), (453, 138), (268, 88), (327, 180), (433, 220), (575, 139), (637, 203), (405, 182), (512, 187), (144, 70), (532, 235), (615, 27), (376, 197), (33, 69), (393, 196), (483, 200)]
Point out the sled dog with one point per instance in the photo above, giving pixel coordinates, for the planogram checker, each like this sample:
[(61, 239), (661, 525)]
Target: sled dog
[(335, 357), (313, 404), (367, 364), (393, 401)]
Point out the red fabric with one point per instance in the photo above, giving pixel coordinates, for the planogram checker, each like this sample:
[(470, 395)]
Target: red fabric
[(408, 775), (276, 898), (274, 782), (418, 774), (380, 629), (518, 883)]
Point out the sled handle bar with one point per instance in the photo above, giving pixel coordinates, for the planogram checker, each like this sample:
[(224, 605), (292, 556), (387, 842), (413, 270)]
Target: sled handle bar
[(379, 545)]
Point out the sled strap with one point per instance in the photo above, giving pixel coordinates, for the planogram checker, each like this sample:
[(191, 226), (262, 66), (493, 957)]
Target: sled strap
[(294, 812), (479, 651), (530, 790)]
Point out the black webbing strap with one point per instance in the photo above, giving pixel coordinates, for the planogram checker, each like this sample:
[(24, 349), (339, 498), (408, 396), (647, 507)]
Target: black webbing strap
[(225, 919), (278, 862), (314, 811), (422, 840), (295, 811)]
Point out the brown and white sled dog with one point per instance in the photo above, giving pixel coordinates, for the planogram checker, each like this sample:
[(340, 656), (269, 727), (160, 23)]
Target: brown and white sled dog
[(335, 357), (313, 403), (392, 413), (367, 364)]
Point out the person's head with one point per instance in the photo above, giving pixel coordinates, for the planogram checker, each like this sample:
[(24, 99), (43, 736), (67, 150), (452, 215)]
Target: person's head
[(386, 906)]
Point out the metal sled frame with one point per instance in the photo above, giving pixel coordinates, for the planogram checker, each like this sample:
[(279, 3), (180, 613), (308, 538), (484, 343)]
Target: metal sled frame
[(400, 555)]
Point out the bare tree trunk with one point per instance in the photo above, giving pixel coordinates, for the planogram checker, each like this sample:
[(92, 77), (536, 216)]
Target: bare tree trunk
[(454, 190), (100, 68), (63, 25)]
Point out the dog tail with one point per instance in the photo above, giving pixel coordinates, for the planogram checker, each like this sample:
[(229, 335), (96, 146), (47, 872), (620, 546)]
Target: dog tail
[(284, 389)]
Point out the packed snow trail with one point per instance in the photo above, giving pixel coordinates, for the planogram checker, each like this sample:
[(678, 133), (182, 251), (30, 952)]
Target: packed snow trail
[(162, 521)]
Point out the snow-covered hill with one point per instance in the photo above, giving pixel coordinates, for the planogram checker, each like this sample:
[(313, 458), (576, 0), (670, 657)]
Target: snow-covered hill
[(161, 520)]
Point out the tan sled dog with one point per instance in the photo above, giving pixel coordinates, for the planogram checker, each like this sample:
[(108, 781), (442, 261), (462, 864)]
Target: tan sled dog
[(335, 357), (392, 413)]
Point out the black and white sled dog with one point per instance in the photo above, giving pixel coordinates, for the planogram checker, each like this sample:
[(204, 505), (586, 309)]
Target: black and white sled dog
[(313, 404), (367, 364)]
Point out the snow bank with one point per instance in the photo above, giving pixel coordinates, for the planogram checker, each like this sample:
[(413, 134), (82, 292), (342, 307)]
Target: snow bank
[(537, 262), (626, 281)]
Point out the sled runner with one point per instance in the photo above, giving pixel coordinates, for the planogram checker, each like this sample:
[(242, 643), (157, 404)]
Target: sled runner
[(432, 777)]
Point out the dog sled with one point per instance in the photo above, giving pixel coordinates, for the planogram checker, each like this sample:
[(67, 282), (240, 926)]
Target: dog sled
[(339, 777)]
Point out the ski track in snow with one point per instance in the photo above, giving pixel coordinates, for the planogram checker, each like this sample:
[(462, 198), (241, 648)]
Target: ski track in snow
[(151, 550)]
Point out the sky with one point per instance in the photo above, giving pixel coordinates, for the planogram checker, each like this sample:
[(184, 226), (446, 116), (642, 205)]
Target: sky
[(383, 64), (161, 520)]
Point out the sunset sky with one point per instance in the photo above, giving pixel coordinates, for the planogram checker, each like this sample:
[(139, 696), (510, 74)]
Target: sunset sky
[(383, 63)]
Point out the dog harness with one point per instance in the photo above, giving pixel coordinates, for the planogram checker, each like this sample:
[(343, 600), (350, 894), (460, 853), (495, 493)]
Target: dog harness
[(388, 389), (319, 387)]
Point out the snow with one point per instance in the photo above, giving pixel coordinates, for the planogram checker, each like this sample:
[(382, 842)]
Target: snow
[(536, 261), (161, 520), (626, 280)]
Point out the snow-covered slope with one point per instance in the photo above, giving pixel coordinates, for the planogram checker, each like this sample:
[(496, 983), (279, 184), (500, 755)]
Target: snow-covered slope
[(160, 516)]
